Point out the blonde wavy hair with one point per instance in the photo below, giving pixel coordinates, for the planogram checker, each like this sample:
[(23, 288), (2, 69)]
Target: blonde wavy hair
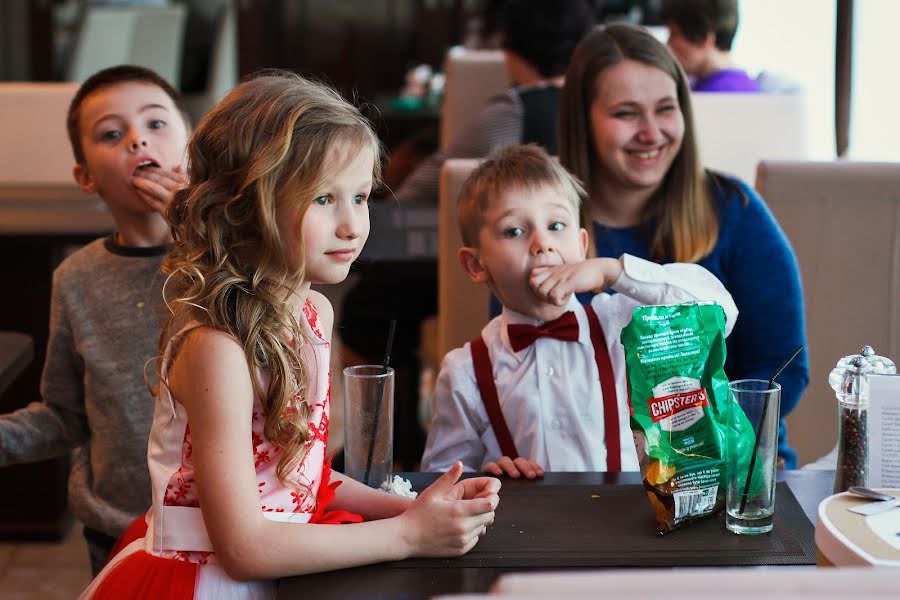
[(265, 145)]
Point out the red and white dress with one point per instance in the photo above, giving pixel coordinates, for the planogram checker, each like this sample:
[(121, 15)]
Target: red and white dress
[(174, 558)]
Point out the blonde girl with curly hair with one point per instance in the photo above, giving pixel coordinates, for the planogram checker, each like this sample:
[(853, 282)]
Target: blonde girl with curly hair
[(243, 494)]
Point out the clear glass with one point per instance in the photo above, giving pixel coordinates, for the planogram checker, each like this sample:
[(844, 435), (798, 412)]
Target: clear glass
[(369, 424), (750, 505)]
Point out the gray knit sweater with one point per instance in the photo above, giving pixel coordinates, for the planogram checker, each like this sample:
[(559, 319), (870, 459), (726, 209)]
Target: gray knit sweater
[(105, 316)]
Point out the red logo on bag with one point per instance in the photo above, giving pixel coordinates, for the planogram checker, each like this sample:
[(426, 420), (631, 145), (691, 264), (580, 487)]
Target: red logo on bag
[(661, 408)]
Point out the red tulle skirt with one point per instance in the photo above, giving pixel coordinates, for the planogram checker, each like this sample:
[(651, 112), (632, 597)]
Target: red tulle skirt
[(159, 578), (141, 575)]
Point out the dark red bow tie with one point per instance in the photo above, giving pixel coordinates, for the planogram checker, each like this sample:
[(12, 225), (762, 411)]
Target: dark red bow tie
[(564, 328)]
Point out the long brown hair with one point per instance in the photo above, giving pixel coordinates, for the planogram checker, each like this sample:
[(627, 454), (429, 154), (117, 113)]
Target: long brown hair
[(264, 145), (687, 225)]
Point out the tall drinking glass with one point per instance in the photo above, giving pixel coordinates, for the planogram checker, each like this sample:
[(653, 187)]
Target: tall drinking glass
[(369, 424), (750, 501)]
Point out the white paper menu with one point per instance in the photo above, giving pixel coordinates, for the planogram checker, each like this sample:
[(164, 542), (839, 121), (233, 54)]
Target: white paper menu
[(884, 431)]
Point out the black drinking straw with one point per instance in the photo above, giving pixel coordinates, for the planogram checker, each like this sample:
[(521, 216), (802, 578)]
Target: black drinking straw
[(762, 420), (384, 368)]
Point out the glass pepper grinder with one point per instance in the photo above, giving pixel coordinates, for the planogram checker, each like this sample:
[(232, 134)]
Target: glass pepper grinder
[(849, 380)]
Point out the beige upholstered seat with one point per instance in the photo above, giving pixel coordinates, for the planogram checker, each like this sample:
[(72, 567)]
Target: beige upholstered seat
[(462, 305), (736, 131), (473, 77), (37, 191), (34, 148), (843, 220)]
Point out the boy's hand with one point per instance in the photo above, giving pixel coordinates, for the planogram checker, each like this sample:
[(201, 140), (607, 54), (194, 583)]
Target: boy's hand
[(556, 284), (449, 516), (514, 468), (157, 186)]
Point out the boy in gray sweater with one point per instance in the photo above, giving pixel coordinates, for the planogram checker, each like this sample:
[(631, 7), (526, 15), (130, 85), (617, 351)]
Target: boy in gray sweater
[(128, 131)]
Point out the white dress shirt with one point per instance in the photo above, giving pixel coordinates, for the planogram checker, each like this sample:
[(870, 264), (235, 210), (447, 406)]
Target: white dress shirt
[(550, 391)]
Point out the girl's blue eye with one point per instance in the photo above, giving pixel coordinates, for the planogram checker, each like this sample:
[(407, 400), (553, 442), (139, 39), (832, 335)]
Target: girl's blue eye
[(157, 124), (512, 232), (557, 226), (359, 199), (323, 200)]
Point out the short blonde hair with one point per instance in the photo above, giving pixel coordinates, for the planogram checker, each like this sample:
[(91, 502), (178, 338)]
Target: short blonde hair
[(525, 167)]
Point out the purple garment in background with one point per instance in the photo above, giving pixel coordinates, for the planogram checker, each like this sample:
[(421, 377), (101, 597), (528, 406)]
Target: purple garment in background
[(726, 80)]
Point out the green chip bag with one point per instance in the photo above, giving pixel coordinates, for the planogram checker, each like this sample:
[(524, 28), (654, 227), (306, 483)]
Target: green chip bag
[(679, 399)]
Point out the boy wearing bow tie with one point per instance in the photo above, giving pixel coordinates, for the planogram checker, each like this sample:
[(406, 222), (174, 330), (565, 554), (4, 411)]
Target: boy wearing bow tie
[(544, 386)]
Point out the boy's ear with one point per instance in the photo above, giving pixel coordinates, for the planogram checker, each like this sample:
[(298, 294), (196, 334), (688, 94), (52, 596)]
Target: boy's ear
[(710, 42), (83, 179), (583, 238), (471, 264)]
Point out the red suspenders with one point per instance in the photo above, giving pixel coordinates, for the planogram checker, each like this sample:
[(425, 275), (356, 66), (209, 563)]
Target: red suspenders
[(484, 377), (608, 387)]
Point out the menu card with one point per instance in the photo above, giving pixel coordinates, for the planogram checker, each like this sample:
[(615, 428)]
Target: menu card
[(884, 431)]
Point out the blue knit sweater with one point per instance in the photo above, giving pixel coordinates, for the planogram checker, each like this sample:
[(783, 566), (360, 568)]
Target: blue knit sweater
[(755, 262)]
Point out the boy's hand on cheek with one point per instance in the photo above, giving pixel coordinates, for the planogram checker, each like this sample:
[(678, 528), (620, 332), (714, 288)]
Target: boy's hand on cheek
[(157, 186), (556, 284)]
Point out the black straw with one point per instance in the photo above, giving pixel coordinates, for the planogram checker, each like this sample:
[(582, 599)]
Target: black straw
[(784, 366), (762, 420), (384, 368)]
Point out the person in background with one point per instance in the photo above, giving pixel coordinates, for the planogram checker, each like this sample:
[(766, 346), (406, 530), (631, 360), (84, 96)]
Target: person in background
[(543, 388), (700, 35), (128, 131), (538, 40), (281, 172), (627, 132)]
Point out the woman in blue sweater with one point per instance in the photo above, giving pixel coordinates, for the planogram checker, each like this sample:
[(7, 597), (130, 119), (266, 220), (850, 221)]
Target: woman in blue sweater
[(626, 130)]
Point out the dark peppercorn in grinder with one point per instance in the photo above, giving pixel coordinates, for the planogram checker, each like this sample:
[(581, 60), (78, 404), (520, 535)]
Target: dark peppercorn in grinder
[(849, 380)]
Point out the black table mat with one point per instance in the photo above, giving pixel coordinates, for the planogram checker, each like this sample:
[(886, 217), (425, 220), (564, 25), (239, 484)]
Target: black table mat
[(613, 526)]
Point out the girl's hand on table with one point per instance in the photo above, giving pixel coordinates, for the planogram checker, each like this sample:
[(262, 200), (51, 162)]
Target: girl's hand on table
[(449, 516)]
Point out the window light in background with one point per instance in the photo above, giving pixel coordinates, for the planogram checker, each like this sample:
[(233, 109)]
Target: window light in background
[(874, 124), (796, 40)]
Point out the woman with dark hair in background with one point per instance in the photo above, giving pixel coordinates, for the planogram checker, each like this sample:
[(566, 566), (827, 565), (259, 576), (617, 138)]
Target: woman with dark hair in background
[(700, 36), (538, 38)]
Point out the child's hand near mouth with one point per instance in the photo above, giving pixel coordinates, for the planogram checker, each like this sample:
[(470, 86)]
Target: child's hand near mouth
[(157, 186), (555, 284)]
